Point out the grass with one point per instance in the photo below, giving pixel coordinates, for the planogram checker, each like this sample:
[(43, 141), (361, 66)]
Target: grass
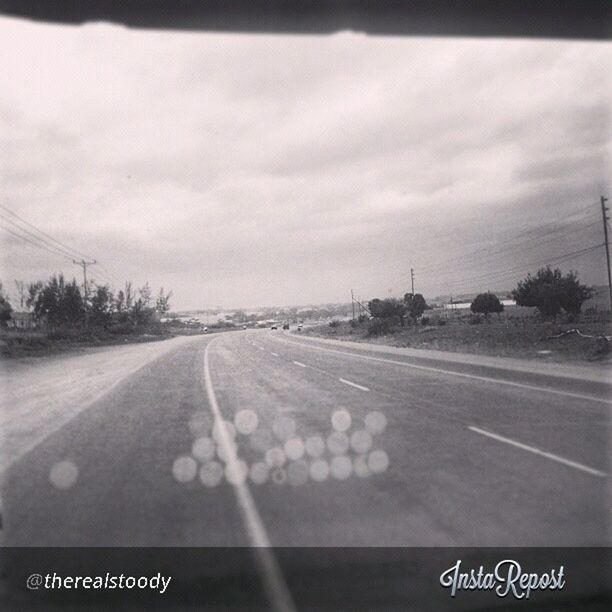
[(525, 338)]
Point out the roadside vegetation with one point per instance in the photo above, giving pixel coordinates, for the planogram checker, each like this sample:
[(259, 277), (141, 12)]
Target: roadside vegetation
[(56, 315), (547, 323)]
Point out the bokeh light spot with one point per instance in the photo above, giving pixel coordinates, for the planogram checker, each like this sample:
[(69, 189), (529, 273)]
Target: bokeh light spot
[(341, 420), (63, 474), (361, 441), (360, 466), (236, 472), (283, 427), (275, 457), (315, 446), (184, 469), (246, 422), (261, 440), (203, 449), (294, 448), (378, 461), (258, 472), (211, 474), (319, 470), (375, 422), (337, 443), (341, 467)]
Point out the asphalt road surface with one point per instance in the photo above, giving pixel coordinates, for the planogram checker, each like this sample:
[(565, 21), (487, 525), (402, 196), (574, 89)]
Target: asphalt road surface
[(260, 438)]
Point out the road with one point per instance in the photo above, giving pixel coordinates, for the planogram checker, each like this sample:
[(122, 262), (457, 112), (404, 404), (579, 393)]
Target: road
[(372, 448)]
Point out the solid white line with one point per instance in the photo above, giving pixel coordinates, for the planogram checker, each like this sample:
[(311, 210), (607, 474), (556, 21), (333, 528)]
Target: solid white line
[(458, 374), (275, 354), (299, 363), (537, 451), (352, 384), (273, 579)]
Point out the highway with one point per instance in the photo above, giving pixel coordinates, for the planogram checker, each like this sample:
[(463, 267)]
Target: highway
[(262, 437)]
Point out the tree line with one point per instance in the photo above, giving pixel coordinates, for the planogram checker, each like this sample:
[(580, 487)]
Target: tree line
[(62, 303), (549, 291)]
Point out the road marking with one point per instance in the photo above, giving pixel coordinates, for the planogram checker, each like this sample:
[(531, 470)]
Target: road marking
[(509, 383), (272, 577), (261, 348), (275, 354), (299, 363), (352, 384), (537, 451)]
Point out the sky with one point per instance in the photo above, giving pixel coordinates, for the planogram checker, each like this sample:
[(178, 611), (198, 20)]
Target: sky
[(248, 170)]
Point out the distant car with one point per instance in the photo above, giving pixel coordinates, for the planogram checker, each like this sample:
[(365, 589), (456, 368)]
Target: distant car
[(206, 330), (273, 327), (285, 325), (300, 327), (244, 327)]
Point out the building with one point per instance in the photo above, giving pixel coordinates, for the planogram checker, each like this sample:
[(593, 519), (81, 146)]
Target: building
[(22, 320)]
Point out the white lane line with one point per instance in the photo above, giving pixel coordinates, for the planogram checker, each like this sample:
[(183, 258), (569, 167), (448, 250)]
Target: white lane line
[(275, 354), (352, 384), (272, 577), (509, 383), (299, 363), (261, 348), (537, 451)]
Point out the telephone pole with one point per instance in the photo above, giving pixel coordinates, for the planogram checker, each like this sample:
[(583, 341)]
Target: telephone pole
[(353, 304), (604, 210), (412, 280), (84, 265)]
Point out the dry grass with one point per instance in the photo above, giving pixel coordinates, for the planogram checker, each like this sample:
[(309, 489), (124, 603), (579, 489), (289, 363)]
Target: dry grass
[(525, 338)]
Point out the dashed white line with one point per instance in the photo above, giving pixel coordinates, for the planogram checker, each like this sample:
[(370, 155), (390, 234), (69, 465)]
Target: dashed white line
[(541, 453), (352, 384), (487, 379), (275, 354), (299, 363), (272, 577), (261, 348)]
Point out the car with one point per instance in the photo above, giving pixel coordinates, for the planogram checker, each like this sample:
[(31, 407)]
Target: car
[(244, 327), (273, 326), (285, 325), (299, 327)]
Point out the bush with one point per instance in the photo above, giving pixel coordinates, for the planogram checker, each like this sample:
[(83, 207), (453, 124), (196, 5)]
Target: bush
[(475, 319), (441, 321), (334, 323), (424, 321)]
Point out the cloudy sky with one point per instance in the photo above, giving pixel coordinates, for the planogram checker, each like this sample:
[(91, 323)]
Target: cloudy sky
[(245, 170)]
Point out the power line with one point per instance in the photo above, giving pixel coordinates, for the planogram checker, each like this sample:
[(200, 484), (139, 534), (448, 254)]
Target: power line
[(73, 250), (36, 244)]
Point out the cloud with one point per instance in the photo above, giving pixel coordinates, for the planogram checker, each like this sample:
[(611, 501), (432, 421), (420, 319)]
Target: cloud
[(252, 169)]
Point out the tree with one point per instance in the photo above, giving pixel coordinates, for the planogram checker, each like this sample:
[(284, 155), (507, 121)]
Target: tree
[(387, 308), (162, 303), (33, 290), (415, 305), (22, 293), (101, 306), (146, 295), (5, 309), (59, 302), (549, 291), (485, 303)]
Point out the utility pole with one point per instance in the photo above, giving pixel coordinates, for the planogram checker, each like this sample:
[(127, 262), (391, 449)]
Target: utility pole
[(84, 265), (412, 280), (604, 210), (353, 304)]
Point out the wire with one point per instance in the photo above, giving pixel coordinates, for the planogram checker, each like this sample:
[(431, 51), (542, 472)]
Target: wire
[(71, 249), (36, 244)]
